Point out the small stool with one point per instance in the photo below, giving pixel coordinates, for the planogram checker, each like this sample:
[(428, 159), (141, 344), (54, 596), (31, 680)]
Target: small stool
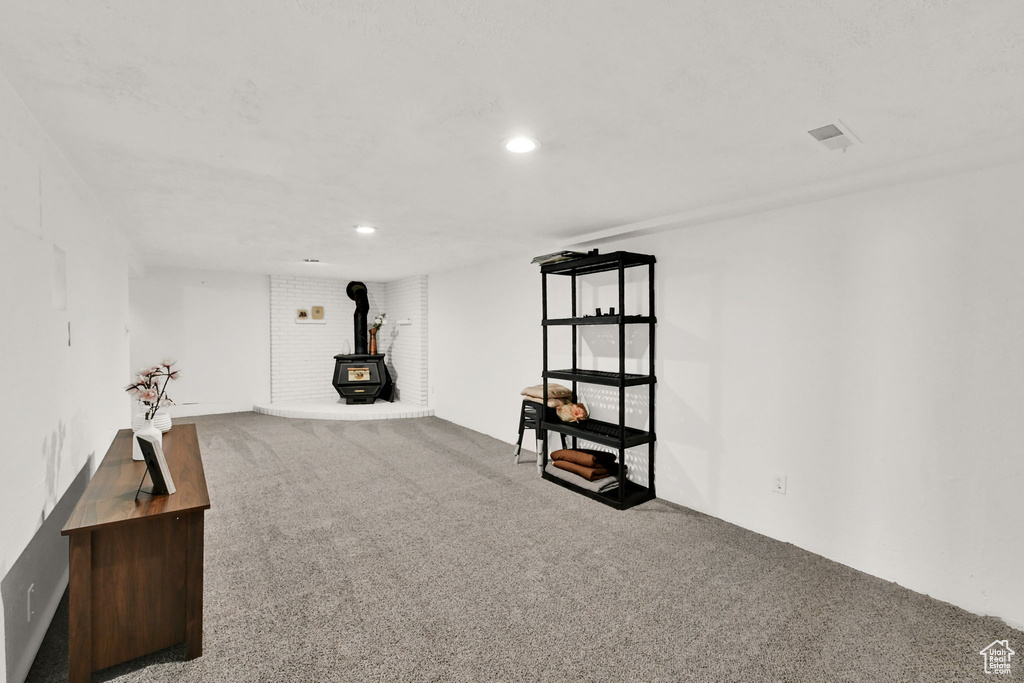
[(530, 418)]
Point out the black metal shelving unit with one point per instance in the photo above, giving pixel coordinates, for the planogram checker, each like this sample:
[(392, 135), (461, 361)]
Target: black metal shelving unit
[(614, 435)]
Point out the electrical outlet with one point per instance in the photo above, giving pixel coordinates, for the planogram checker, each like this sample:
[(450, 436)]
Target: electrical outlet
[(28, 600), (779, 483)]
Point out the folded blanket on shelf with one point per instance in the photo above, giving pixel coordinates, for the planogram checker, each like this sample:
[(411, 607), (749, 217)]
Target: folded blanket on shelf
[(587, 458), (554, 391), (552, 402), (599, 486), (588, 473)]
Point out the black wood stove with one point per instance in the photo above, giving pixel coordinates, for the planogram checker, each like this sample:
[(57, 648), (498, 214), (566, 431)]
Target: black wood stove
[(361, 377)]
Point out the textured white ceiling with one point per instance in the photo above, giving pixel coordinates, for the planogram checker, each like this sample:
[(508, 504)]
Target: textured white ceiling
[(248, 135)]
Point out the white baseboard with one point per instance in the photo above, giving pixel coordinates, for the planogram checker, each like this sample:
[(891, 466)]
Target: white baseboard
[(194, 409)]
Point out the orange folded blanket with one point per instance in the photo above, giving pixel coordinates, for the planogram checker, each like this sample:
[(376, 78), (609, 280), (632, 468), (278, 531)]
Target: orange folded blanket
[(588, 473), (586, 458)]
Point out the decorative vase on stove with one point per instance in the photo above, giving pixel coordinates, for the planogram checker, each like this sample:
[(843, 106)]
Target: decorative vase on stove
[(147, 429), (373, 341)]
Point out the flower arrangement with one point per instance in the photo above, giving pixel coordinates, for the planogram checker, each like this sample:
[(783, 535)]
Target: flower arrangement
[(379, 321), (150, 386)]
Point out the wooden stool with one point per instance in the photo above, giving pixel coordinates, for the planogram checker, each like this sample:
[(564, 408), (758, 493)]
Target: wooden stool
[(529, 418)]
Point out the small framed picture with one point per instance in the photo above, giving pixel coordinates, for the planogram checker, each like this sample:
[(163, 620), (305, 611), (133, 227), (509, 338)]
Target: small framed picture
[(156, 464), (304, 317)]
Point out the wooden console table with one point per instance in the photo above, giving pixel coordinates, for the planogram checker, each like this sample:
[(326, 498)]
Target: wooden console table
[(136, 574)]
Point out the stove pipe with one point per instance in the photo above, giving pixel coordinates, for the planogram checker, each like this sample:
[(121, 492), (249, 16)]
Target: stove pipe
[(357, 292)]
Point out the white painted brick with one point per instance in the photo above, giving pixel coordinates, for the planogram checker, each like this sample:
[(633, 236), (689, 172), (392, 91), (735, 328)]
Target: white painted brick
[(302, 356)]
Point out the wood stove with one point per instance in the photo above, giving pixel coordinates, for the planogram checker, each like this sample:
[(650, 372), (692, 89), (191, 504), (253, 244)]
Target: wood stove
[(362, 378)]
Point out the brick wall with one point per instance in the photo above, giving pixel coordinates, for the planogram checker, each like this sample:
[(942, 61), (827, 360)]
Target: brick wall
[(302, 354), (404, 338)]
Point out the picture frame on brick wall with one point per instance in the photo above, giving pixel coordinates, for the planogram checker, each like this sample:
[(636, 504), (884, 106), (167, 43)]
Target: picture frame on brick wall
[(303, 317)]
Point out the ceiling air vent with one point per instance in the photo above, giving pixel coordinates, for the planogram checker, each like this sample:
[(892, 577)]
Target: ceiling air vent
[(834, 137)]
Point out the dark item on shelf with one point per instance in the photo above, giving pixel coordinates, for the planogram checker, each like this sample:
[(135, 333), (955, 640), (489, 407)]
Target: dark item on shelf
[(598, 313), (530, 418), (557, 257), (611, 311), (622, 493), (587, 457), (362, 378), (600, 263)]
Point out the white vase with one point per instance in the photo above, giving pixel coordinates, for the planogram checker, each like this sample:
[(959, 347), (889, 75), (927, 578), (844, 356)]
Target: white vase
[(161, 421), (147, 429)]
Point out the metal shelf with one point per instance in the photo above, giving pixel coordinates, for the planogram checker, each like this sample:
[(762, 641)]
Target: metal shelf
[(608, 379), (635, 494), (603, 320), (613, 435), (600, 263), (599, 432)]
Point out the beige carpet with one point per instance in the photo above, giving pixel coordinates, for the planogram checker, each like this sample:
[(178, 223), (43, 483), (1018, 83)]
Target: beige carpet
[(414, 550)]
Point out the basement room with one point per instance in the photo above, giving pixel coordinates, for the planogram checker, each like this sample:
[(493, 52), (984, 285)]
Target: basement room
[(460, 341)]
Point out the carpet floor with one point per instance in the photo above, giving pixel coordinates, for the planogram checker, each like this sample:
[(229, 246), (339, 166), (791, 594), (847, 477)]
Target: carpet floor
[(414, 550)]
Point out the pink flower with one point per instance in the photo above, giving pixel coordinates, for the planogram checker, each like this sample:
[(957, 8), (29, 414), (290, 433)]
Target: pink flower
[(147, 387)]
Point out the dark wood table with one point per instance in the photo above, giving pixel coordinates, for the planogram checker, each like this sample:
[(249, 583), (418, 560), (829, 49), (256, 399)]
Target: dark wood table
[(136, 575)]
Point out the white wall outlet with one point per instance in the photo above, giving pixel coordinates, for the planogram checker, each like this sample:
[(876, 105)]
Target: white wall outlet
[(779, 483), (28, 600)]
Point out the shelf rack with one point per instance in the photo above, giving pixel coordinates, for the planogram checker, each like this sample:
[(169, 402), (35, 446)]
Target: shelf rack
[(610, 434)]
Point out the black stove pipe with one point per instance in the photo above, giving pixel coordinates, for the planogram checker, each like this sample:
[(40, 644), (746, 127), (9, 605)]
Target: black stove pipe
[(357, 292)]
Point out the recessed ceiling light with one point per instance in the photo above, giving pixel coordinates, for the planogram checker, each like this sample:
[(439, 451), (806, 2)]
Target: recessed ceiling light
[(365, 229), (521, 144), (311, 260)]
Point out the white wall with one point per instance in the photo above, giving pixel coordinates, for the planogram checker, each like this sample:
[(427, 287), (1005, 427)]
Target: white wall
[(866, 346), (61, 404), (302, 354), (216, 325), (404, 337), (485, 344)]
